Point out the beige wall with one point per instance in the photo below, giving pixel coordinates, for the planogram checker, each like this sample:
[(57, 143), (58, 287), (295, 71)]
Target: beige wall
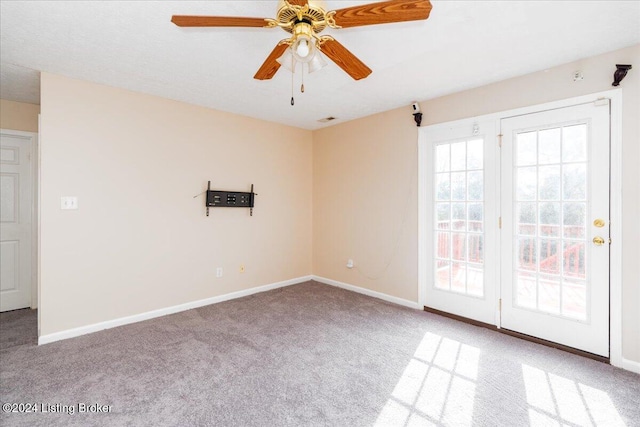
[(139, 240), (19, 116), (364, 181), (364, 203)]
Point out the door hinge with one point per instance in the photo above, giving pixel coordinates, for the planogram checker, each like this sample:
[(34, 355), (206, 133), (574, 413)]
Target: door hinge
[(499, 222), (500, 304), (500, 140)]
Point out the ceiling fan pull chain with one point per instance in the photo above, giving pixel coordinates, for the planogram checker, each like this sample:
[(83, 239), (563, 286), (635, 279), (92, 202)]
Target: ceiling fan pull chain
[(293, 71), (302, 85)]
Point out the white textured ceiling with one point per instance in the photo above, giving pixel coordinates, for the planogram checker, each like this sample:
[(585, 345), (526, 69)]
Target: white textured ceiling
[(464, 44)]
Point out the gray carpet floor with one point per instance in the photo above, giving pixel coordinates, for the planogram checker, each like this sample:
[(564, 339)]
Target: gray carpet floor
[(18, 327), (307, 355)]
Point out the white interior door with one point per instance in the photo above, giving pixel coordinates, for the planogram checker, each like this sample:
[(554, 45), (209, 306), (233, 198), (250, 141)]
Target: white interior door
[(15, 221), (459, 258), (555, 232)]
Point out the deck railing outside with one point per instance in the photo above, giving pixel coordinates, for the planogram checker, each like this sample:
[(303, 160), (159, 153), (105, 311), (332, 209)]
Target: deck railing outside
[(455, 244)]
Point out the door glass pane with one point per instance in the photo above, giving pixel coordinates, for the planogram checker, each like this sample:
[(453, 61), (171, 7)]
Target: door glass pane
[(458, 156), (526, 184), (442, 158), (574, 143), (443, 186), (574, 220), (443, 211), (458, 186), (550, 219), (459, 277), (574, 259), (444, 244), (526, 218), (526, 150), (549, 294), (459, 217), (526, 289), (443, 274), (549, 183), (574, 182), (550, 213), (549, 256), (527, 253), (475, 222), (475, 185), (459, 246), (475, 247), (549, 141)]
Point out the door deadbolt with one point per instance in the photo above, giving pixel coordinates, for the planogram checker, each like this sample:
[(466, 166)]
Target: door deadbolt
[(598, 223)]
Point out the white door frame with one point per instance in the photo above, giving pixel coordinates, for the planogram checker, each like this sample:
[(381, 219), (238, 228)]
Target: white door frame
[(35, 211), (615, 275)]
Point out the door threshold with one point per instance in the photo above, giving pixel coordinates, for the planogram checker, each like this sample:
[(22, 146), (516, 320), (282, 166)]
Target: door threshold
[(525, 337)]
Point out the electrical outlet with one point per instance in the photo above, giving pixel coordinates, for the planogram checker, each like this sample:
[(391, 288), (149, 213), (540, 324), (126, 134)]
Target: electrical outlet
[(219, 272), (241, 269), (68, 202)]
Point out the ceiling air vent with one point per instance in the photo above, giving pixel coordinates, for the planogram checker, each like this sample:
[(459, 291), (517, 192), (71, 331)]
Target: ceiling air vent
[(327, 119)]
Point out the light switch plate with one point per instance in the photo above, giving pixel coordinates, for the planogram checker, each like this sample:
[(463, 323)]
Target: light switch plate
[(68, 202)]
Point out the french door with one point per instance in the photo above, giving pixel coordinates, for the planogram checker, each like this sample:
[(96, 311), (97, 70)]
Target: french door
[(555, 226), (515, 232), (459, 183)]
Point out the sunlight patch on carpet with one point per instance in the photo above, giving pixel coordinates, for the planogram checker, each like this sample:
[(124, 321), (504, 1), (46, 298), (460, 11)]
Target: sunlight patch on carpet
[(437, 387), (555, 400)]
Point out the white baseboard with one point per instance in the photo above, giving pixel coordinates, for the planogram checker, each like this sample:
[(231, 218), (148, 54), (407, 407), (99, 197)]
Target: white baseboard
[(630, 365), (83, 330), (368, 292)]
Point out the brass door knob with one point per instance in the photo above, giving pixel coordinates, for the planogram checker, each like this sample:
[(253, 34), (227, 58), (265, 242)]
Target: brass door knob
[(599, 241)]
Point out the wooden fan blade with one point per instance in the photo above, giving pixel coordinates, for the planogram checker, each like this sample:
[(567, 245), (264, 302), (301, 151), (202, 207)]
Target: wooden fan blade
[(270, 65), (217, 21), (298, 2), (383, 13), (345, 59)]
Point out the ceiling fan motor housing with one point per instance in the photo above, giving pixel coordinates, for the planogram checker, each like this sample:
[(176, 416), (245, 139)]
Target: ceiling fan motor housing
[(312, 13)]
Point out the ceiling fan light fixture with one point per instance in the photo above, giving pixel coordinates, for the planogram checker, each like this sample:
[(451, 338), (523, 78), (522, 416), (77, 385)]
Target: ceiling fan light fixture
[(317, 62), (302, 48), (303, 43), (287, 60)]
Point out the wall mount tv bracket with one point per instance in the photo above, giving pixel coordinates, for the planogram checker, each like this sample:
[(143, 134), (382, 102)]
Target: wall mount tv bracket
[(229, 199)]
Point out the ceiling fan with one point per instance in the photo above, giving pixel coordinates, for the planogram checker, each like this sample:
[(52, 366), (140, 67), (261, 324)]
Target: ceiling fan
[(305, 19)]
